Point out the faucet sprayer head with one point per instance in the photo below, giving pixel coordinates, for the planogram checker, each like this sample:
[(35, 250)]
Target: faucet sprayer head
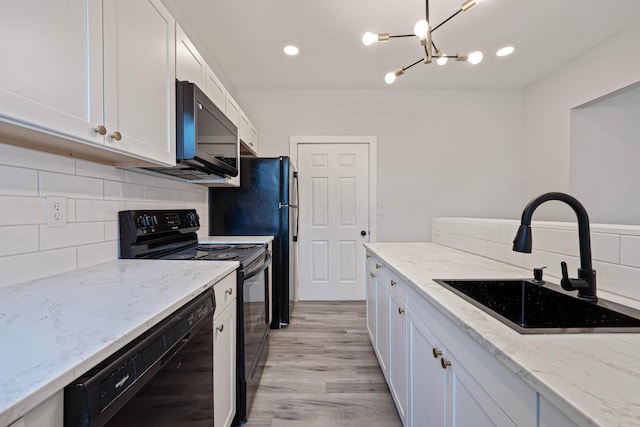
[(522, 241)]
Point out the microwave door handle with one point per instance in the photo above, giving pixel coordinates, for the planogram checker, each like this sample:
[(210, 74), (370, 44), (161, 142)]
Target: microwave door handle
[(263, 266)]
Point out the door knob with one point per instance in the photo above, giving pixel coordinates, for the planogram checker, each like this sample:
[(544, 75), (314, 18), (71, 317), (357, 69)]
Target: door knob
[(363, 233)]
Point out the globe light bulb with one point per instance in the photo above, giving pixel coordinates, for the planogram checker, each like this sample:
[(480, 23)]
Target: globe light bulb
[(421, 29), (442, 60), (369, 38), (390, 77), (475, 57), (508, 50)]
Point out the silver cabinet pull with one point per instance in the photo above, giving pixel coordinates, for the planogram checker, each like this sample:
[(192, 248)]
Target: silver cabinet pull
[(220, 328), (229, 291), (116, 135), (436, 353), (372, 275), (378, 265), (100, 130), (444, 362), (400, 310), (393, 283)]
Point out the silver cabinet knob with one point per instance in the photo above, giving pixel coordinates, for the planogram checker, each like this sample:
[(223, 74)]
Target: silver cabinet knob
[(116, 135), (220, 328), (444, 362), (229, 291), (436, 353), (393, 283), (378, 265), (400, 310), (100, 130)]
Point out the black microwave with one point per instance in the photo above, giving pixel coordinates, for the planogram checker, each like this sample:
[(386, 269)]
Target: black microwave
[(207, 141)]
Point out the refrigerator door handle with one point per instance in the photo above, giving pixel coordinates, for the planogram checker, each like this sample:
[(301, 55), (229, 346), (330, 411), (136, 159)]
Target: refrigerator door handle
[(280, 206)]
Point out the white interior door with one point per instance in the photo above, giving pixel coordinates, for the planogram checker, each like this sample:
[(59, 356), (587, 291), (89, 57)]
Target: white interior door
[(334, 220)]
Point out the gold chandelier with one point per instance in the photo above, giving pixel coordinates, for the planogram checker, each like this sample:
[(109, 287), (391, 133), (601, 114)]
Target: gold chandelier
[(423, 31)]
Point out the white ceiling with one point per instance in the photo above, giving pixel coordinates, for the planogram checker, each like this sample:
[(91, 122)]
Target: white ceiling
[(246, 38)]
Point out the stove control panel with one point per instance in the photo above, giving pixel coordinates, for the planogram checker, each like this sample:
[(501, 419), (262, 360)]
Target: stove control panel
[(150, 222)]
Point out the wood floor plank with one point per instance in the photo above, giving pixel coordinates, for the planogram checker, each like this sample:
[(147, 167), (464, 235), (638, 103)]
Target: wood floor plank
[(322, 372)]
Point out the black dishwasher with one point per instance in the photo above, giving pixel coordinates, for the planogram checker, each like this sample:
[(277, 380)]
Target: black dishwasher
[(163, 378)]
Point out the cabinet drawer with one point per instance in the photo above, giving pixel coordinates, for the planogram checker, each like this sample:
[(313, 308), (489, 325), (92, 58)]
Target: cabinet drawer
[(225, 292), (397, 285)]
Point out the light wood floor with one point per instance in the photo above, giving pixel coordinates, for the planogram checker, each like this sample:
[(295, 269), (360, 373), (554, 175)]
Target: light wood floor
[(322, 372)]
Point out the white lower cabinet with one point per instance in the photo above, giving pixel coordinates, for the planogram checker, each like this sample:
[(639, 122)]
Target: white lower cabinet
[(398, 350), (224, 352), (47, 414), (437, 374), (550, 416), (371, 302)]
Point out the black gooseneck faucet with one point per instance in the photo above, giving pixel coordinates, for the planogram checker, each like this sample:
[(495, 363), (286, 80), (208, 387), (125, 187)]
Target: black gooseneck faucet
[(585, 284)]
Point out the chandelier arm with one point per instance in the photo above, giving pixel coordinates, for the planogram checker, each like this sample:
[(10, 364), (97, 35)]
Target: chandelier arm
[(434, 46), (445, 21), (415, 63), (426, 9), (402, 35)]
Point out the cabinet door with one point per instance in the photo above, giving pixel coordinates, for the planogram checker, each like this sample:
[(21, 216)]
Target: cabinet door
[(382, 322), (139, 79), (248, 133), (51, 72), (427, 379), (371, 304), (398, 352), (224, 366), (190, 66), (214, 89), (468, 404), (550, 416), (232, 110)]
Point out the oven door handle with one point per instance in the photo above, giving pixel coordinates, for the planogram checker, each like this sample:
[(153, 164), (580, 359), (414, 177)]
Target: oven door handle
[(248, 274)]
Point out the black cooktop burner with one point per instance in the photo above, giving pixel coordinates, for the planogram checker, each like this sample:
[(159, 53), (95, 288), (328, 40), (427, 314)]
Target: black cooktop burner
[(213, 247), (223, 255)]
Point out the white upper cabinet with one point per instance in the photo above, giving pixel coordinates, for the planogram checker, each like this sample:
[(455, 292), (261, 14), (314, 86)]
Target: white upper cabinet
[(214, 89), (82, 71), (248, 134), (139, 78), (232, 110), (189, 64), (51, 73)]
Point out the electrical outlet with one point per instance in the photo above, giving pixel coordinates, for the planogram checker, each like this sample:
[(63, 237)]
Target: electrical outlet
[(56, 211)]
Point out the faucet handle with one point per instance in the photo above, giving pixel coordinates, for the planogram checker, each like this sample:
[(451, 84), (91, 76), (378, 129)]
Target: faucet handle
[(571, 284)]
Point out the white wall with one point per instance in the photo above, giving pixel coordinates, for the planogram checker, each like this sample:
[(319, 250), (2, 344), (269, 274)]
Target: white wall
[(94, 193), (608, 67), (440, 152)]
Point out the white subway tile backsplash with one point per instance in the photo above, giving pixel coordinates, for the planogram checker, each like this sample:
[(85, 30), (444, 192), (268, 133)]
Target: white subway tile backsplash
[(74, 234), (94, 192), (630, 250), (605, 247), (561, 241), (70, 186), (111, 231), (156, 194), (615, 249), (98, 253), (122, 191), (97, 170), (484, 231), (97, 210), (35, 265), (470, 244), (618, 279), (504, 252), (22, 210), (17, 156), (18, 239), (18, 181), (140, 178)]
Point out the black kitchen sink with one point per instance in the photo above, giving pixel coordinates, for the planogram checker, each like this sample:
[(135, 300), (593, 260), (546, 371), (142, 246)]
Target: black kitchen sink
[(543, 308)]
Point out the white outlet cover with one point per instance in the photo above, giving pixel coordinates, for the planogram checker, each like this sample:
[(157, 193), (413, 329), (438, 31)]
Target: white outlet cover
[(56, 211)]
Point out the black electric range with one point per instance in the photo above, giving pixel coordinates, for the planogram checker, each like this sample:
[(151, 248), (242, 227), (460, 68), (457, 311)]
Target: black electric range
[(172, 235)]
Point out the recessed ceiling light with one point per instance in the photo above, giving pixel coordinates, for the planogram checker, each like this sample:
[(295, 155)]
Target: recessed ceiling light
[(505, 51), (291, 50)]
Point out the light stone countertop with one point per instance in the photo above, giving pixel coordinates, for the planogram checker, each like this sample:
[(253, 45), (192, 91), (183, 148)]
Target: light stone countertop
[(54, 329), (593, 378)]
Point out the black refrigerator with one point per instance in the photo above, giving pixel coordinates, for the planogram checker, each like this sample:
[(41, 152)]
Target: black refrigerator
[(265, 204)]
